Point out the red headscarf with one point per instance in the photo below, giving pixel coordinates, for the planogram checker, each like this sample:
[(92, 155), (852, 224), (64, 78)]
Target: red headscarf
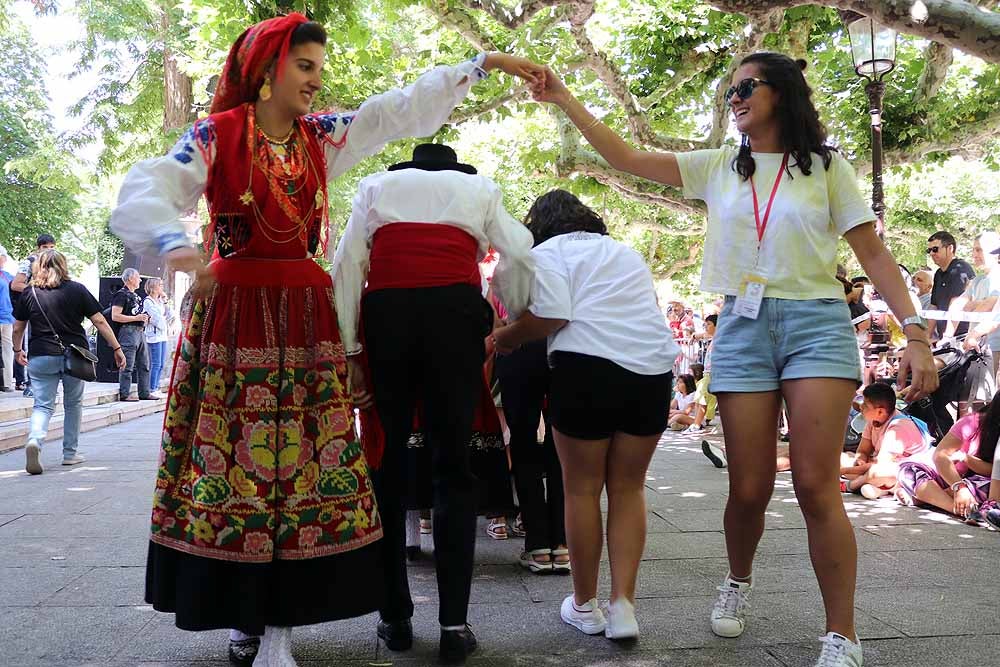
[(250, 57)]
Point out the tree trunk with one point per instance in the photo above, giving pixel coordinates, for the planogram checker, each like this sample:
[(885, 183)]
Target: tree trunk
[(178, 99)]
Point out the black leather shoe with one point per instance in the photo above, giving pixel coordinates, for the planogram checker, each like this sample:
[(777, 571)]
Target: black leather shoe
[(456, 645), (243, 652), (397, 635)]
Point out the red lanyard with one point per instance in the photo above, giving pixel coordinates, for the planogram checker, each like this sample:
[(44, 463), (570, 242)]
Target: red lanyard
[(762, 225)]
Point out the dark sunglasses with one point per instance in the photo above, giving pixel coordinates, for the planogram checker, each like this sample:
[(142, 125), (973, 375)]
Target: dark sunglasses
[(933, 248), (745, 88)]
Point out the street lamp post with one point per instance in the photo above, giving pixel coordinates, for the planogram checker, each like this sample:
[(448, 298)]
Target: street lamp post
[(873, 49)]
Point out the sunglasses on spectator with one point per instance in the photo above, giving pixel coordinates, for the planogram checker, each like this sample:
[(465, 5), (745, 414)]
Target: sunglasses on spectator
[(933, 248), (745, 88)]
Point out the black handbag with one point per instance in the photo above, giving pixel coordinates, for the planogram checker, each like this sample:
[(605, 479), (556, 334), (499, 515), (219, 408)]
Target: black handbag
[(78, 362)]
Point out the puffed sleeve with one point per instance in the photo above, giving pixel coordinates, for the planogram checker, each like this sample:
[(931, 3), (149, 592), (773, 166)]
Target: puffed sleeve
[(157, 191), (349, 271), (515, 271), (417, 110)]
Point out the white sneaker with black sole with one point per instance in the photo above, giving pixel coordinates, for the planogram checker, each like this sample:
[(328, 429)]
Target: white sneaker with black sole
[(586, 618), (839, 651), (732, 607), (715, 454)]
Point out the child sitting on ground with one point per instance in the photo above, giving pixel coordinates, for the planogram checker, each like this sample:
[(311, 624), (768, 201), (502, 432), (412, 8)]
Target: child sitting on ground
[(889, 438)]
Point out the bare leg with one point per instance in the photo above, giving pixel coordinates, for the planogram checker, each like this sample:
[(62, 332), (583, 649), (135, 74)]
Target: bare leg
[(751, 451), (584, 471), (932, 494), (628, 460), (818, 409)]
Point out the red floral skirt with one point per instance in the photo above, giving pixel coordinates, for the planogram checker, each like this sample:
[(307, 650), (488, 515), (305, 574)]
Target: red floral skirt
[(259, 459)]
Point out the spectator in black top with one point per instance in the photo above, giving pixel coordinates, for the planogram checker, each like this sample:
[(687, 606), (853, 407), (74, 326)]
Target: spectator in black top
[(126, 309), (52, 295), (855, 302), (23, 277), (950, 280)]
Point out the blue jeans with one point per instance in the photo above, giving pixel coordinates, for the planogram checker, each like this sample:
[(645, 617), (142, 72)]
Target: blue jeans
[(46, 372), (133, 343), (157, 354)]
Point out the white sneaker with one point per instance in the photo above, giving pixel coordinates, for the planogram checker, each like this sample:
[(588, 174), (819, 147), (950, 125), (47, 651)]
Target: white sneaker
[(729, 615), (32, 464), (74, 460), (586, 618), (871, 492), (715, 454), (839, 651), (621, 622)]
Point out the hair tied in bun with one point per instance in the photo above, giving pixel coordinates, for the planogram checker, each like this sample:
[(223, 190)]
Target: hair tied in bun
[(802, 64)]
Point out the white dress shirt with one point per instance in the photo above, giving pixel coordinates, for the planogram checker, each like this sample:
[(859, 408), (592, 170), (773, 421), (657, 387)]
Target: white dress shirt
[(470, 202)]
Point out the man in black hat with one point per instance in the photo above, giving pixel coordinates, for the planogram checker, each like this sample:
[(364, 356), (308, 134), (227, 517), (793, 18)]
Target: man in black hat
[(408, 267)]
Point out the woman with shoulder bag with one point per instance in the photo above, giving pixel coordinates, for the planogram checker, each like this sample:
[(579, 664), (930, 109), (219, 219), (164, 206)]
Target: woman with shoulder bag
[(56, 306), (155, 305)]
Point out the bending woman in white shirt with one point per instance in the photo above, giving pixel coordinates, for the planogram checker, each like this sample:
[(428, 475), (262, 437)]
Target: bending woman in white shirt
[(611, 354), (801, 346)]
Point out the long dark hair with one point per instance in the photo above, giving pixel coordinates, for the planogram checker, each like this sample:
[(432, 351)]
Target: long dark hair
[(560, 212), (689, 382), (989, 428), (802, 133)]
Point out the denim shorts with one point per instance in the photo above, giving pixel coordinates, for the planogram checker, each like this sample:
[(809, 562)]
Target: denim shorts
[(789, 340)]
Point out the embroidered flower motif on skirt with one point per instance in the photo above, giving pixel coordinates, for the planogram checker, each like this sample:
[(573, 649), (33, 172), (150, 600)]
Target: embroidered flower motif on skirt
[(259, 458)]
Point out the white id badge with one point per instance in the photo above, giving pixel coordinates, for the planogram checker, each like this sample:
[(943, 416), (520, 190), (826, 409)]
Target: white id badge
[(751, 295)]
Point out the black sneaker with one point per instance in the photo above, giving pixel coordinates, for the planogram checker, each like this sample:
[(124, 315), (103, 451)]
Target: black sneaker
[(243, 652), (397, 635), (456, 645)]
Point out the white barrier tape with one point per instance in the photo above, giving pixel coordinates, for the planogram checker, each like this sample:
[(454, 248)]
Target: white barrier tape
[(861, 318), (960, 316)]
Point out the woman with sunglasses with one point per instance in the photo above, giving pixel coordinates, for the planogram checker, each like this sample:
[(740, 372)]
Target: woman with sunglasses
[(776, 209)]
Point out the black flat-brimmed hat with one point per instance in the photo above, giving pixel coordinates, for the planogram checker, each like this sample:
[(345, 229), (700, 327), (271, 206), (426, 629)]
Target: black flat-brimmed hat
[(434, 157)]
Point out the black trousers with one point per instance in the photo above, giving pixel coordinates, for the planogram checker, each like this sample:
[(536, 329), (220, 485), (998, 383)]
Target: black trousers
[(524, 383), (427, 343)]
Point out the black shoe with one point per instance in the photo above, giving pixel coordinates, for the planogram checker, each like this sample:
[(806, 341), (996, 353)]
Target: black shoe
[(243, 652), (456, 645), (149, 398), (397, 635)]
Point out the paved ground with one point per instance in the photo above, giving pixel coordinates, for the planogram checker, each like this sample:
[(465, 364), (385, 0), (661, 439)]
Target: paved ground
[(73, 542)]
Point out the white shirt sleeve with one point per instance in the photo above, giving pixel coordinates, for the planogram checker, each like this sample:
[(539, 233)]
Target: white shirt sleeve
[(551, 297), (154, 195), (349, 270), (514, 274), (848, 207), (417, 110)]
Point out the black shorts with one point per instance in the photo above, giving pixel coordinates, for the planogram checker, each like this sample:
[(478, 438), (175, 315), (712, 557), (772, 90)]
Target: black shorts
[(592, 398)]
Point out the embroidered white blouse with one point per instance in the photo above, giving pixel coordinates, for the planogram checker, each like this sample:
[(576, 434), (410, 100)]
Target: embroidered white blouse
[(470, 202), (157, 191)]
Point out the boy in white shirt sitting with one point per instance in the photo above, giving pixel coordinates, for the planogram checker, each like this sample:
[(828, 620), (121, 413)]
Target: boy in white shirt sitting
[(889, 438)]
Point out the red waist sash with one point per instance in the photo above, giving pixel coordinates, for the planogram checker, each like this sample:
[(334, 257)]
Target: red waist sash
[(419, 254)]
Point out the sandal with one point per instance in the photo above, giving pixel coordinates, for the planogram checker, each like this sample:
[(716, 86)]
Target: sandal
[(530, 560), (497, 528), (426, 527), (563, 567), (517, 528)]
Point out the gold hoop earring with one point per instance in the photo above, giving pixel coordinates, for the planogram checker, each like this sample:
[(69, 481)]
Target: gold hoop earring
[(265, 90)]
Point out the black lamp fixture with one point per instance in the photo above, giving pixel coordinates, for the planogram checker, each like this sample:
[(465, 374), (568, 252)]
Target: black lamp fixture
[(873, 48)]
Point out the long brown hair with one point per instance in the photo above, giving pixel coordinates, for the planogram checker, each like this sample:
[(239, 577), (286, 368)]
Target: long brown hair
[(49, 270)]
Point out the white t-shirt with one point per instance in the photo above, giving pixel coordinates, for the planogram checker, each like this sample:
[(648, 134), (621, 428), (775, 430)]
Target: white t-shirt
[(809, 214), (684, 400), (605, 291)]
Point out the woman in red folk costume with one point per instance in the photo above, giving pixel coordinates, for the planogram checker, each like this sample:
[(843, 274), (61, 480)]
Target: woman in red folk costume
[(264, 515)]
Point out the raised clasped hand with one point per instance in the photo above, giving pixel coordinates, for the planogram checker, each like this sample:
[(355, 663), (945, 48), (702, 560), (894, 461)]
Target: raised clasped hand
[(531, 72), (550, 88)]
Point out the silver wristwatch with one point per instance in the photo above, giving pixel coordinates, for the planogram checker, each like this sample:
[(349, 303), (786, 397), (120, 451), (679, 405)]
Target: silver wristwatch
[(914, 319)]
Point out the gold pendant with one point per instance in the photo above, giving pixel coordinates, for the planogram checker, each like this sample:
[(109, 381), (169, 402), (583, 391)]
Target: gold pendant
[(319, 199), (247, 197), (288, 169)]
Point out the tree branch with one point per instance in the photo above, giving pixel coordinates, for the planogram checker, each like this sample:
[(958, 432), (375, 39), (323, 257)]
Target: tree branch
[(462, 22), (680, 265), (761, 25), (937, 58), (519, 94), (692, 64), (517, 17), (968, 140), (957, 23)]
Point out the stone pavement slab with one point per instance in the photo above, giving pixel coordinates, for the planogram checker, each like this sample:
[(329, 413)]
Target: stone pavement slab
[(72, 565)]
